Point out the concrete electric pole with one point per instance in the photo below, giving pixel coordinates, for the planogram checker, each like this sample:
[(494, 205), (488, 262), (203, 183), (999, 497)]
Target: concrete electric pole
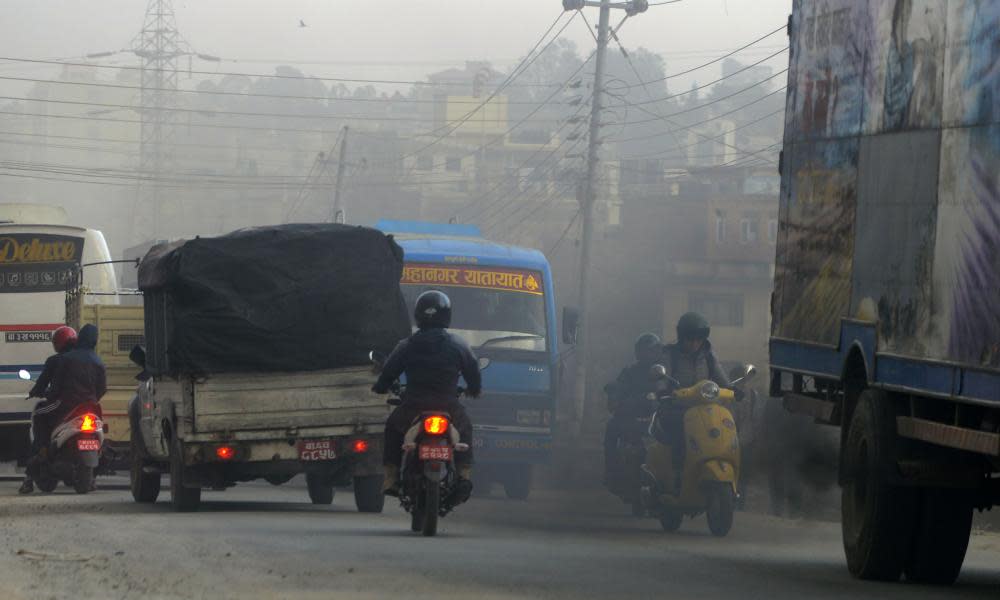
[(590, 190), (339, 215)]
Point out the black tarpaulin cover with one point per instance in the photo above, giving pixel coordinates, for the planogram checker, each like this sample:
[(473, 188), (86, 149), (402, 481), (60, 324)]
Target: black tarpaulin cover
[(280, 298)]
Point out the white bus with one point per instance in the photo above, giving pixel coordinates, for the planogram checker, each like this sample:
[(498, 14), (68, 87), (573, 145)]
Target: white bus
[(38, 264)]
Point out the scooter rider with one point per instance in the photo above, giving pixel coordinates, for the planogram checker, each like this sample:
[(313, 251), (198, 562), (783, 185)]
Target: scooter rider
[(627, 402), (432, 359), (689, 361), (63, 340)]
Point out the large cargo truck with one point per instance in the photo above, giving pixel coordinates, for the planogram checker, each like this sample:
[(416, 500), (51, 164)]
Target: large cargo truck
[(884, 317)]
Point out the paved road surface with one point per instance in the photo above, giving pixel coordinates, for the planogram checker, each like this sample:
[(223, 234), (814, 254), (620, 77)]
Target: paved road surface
[(266, 542)]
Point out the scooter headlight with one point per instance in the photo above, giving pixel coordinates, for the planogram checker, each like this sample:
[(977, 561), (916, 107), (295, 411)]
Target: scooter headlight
[(710, 390)]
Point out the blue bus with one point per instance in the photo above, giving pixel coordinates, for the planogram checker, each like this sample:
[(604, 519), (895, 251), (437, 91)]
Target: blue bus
[(504, 308)]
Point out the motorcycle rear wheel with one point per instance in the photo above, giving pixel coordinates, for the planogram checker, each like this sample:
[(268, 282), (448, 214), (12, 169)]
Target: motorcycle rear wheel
[(432, 504), (83, 479)]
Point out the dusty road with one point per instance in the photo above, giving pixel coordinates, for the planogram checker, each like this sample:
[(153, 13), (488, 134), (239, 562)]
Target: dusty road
[(266, 542)]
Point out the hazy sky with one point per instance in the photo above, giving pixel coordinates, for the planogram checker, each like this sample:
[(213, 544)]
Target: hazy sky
[(375, 38)]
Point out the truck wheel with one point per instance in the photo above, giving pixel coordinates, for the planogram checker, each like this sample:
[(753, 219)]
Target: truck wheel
[(876, 517), (320, 488), (721, 505), (145, 486), (83, 479), (517, 482), (368, 496), (183, 499), (944, 523)]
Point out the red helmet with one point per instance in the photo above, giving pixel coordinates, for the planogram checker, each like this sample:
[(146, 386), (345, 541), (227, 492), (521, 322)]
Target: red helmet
[(63, 338)]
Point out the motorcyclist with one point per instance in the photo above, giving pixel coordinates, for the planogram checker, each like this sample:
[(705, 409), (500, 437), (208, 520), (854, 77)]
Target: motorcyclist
[(432, 359), (63, 340), (627, 402), (689, 360)]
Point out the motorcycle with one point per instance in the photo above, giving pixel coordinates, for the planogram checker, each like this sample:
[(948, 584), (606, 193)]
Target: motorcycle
[(74, 449), (631, 450), (707, 478), (429, 482)]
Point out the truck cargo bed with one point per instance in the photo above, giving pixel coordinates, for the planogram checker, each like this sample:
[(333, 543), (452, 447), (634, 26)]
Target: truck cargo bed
[(244, 401)]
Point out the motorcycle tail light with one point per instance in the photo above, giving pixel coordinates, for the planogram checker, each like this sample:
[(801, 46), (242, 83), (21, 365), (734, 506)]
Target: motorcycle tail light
[(89, 424), (436, 425), (360, 446)]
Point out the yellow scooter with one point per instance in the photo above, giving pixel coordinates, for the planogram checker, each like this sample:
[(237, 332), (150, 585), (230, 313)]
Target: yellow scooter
[(707, 480)]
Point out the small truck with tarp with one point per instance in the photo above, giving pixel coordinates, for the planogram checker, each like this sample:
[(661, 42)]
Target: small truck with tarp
[(885, 317), (256, 361)]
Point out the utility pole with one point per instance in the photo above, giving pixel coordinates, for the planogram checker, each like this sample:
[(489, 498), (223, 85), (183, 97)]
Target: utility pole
[(590, 190), (337, 210)]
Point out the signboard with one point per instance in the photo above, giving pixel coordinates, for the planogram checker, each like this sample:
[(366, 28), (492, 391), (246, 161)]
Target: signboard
[(38, 262), (491, 278)]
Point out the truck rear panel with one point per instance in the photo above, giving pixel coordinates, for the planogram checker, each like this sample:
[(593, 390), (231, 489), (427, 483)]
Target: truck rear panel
[(890, 204), (282, 401)]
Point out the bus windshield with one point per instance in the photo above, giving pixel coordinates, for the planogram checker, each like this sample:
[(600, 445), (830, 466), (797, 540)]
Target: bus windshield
[(498, 311)]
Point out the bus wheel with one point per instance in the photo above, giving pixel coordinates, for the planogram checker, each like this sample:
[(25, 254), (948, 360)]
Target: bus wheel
[(517, 482)]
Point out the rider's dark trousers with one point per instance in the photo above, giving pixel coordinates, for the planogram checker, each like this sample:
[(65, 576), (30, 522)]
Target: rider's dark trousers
[(402, 419)]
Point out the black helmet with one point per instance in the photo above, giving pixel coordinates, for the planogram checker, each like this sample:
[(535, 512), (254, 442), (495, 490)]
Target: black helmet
[(693, 326), (646, 340), (433, 310)]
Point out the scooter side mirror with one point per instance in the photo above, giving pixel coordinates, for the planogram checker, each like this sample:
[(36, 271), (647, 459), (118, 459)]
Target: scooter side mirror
[(24, 374), (657, 372), (749, 372), (484, 363)]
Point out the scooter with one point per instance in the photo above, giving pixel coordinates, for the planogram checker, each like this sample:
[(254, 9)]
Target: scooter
[(74, 449), (707, 480)]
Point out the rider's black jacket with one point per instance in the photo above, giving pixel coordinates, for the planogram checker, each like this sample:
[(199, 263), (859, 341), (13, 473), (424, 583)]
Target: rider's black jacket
[(627, 394), (41, 388), (433, 360), (79, 375)]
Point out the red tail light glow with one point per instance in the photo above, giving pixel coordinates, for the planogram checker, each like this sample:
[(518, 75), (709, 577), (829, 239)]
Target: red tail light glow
[(436, 425), (225, 452), (89, 424), (360, 446)]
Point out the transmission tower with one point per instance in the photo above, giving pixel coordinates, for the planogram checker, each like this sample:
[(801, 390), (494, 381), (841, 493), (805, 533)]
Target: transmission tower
[(159, 45)]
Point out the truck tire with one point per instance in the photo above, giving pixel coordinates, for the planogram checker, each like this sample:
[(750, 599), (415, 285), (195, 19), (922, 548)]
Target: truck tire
[(145, 487), (944, 524), (517, 482), (670, 520), (368, 496), (876, 517), (320, 488), (183, 499)]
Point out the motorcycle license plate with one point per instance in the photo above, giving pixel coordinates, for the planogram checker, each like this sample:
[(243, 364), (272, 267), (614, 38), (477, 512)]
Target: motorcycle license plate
[(88, 445), (435, 452), (314, 450)]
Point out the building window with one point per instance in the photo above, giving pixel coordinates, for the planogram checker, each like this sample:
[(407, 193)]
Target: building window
[(453, 164), (614, 214), (772, 231), (720, 229), (719, 309), (425, 162), (749, 231)]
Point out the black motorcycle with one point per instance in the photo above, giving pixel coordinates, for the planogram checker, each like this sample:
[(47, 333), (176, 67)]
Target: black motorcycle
[(631, 451)]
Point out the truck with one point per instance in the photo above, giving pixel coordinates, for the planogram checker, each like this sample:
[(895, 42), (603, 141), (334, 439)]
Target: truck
[(884, 318), (504, 307), (39, 262), (256, 362)]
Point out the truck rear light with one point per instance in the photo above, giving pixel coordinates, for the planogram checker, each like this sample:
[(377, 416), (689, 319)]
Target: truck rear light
[(225, 452), (360, 446), (436, 425)]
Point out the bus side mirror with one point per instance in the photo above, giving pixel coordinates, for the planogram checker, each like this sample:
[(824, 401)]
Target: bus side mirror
[(138, 356), (570, 325)]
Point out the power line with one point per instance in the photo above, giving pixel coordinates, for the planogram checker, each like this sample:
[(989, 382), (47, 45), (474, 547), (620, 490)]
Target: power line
[(660, 153), (565, 232)]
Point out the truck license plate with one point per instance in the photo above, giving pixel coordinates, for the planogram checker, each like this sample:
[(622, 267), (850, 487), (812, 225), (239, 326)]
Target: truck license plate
[(312, 450), (88, 445), (435, 452)]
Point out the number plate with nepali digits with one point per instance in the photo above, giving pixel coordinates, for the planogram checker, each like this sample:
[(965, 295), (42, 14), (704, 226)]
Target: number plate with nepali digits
[(88, 445), (435, 452), (311, 450)]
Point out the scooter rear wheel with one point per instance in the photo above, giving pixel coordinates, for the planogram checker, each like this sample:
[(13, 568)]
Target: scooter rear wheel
[(83, 479)]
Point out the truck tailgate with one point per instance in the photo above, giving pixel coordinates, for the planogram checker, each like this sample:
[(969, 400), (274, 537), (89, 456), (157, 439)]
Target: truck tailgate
[(244, 401)]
